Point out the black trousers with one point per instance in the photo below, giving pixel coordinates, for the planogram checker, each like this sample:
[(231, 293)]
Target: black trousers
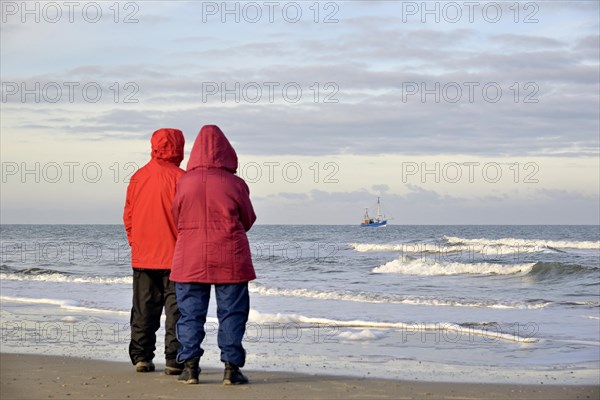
[(152, 290)]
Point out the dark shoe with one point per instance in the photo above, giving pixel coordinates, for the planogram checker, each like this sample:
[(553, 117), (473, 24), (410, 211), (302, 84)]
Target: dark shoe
[(233, 375), (190, 372), (144, 366), (173, 368)]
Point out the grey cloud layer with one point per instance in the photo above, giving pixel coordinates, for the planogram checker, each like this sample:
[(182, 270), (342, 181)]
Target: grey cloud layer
[(371, 60)]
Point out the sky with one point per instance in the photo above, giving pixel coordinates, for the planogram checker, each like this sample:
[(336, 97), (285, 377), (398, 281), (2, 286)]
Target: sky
[(451, 112)]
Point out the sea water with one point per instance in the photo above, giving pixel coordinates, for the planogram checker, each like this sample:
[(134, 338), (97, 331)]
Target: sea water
[(514, 304)]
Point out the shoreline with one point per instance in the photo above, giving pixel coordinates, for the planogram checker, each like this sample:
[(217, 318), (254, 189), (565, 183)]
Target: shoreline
[(30, 376), (44, 331)]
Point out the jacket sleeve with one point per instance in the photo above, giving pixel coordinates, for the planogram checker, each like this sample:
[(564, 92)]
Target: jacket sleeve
[(176, 206), (247, 216), (127, 212)]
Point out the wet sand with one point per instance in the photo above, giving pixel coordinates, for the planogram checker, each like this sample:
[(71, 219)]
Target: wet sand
[(29, 376)]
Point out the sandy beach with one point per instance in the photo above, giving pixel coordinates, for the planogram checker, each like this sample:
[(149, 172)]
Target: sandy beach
[(49, 377)]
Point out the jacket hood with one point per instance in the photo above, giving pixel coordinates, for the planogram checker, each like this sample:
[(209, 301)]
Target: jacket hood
[(212, 150), (167, 145)]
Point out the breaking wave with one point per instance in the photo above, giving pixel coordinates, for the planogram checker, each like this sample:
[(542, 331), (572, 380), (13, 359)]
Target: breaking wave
[(48, 275), (432, 248), (389, 299), (524, 243), (425, 268), (485, 246)]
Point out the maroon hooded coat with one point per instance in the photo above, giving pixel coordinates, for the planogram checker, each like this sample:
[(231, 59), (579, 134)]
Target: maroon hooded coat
[(212, 211)]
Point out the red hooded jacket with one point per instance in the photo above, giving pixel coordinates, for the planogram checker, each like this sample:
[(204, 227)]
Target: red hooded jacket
[(147, 217), (212, 210)]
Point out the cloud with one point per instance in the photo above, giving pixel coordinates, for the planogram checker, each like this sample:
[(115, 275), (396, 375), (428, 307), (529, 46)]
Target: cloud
[(554, 128), (292, 196), (512, 41), (373, 60), (380, 188)]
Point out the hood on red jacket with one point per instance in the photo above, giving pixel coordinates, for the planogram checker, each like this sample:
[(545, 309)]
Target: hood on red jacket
[(212, 150), (167, 145)]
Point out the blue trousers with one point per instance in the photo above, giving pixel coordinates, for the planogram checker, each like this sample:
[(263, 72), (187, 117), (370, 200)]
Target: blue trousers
[(233, 306)]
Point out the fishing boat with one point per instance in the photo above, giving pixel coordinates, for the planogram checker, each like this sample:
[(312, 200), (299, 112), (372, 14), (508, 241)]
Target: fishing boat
[(378, 220)]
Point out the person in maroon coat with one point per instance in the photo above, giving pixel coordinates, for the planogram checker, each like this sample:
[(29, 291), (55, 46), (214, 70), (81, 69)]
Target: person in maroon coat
[(213, 212)]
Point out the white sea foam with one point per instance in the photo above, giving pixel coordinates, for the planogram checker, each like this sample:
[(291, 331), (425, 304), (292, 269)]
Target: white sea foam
[(58, 278), (71, 305), (489, 249), (257, 317), (463, 303), (364, 335), (98, 310), (376, 298), (427, 268), (55, 302), (262, 318), (364, 247), (318, 294), (524, 243)]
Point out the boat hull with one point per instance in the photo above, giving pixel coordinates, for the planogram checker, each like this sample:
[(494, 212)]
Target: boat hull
[(374, 224)]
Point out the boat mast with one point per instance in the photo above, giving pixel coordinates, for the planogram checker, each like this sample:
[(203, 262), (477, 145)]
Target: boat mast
[(378, 210)]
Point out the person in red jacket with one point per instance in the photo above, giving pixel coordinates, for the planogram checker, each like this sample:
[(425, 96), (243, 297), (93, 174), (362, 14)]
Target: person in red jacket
[(213, 212), (152, 233)]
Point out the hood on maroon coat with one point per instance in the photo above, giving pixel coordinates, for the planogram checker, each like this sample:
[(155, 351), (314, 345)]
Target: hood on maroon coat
[(167, 145), (212, 150)]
